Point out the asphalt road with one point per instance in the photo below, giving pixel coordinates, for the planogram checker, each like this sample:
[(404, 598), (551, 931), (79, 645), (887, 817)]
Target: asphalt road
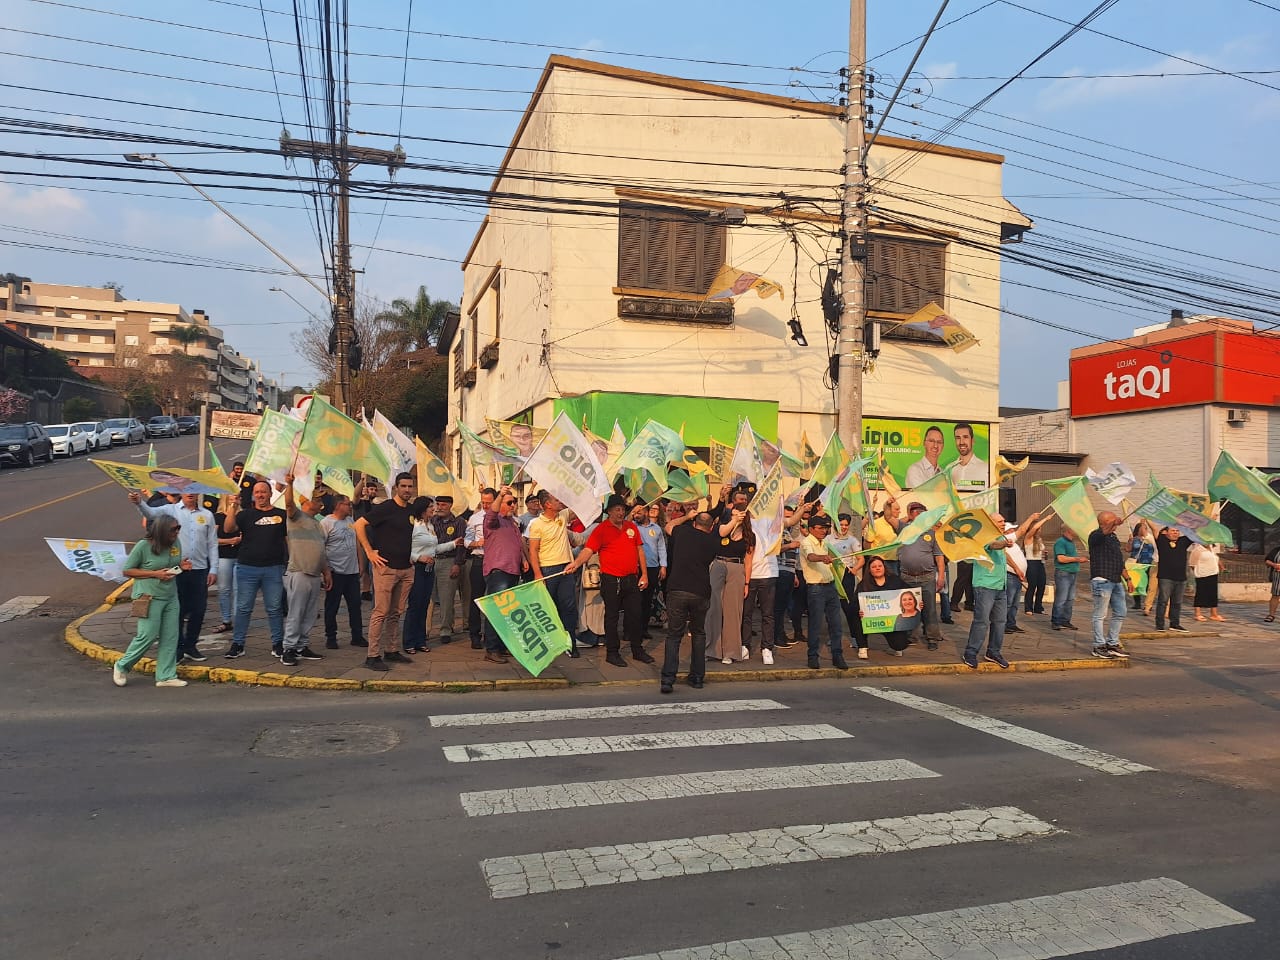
[(218, 821)]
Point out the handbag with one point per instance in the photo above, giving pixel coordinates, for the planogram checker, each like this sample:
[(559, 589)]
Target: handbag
[(141, 606), (591, 577)]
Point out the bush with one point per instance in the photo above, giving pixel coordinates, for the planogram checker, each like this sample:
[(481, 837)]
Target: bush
[(79, 408)]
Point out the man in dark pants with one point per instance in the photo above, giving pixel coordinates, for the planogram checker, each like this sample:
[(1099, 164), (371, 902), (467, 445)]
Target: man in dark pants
[(470, 563), (344, 572), (688, 596), (962, 591), (622, 576), (1171, 571), (504, 561)]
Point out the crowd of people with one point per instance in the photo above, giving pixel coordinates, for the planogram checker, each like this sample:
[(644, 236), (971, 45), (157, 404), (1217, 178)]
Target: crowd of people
[(690, 570)]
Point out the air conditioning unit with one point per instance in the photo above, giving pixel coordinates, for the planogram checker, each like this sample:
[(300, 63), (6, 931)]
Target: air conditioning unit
[(1237, 416)]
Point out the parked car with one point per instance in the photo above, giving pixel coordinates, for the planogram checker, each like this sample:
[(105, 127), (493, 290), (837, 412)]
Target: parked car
[(126, 430), (99, 435), (162, 427), (68, 439), (188, 424), (24, 443)]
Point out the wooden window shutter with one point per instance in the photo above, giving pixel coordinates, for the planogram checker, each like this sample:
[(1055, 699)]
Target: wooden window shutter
[(667, 250), (631, 248), (905, 274)]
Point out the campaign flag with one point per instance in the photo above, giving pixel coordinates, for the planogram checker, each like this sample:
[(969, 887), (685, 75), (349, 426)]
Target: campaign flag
[(888, 611), (564, 464), (216, 464), (1165, 509), (526, 620), (838, 568), (718, 455), (1114, 483), (398, 448), (771, 453), (99, 558), (435, 479), (911, 532), (746, 462), (766, 513), (331, 438), (1006, 470), (274, 448), (933, 320), (834, 458), (934, 492), (988, 500), (480, 452), (167, 479), (966, 535), (1246, 488), (1073, 506), (683, 487), (617, 443), (846, 487), (731, 282), (1060, 484), (151, 456), (1139, 578), (1199, 501), (807, 454), (652, 449), (515, 436), (887, 482)]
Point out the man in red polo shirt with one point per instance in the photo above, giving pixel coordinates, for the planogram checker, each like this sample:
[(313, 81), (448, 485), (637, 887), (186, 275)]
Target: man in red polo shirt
[(622, 577)]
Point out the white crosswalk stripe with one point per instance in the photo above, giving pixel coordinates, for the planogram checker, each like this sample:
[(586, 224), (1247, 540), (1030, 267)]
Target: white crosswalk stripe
[(602, 713), (654, 860), (1038, 928), (629, 742), (19, 607), (566, 796), (1085, 756)]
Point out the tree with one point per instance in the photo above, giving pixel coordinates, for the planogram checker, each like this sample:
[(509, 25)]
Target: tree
[(187, 334), (79, 408), (174, 382), (113, 285), (13, 278), (418, 321), (12, 403)]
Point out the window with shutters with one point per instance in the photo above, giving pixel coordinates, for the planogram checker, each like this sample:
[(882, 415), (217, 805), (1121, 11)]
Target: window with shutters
[(667, 250), (904, 275)]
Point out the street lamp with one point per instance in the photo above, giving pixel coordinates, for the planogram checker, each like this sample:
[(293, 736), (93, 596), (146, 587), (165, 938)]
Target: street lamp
[(304, 307), (152, 158)]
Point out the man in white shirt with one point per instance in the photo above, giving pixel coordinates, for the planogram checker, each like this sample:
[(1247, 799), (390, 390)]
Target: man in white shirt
[(927, 466), (969, 471)]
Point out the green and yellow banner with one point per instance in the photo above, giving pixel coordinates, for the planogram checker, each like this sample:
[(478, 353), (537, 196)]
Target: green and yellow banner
[(1246, 488), (333, 439), (526, 620), (167, 479)]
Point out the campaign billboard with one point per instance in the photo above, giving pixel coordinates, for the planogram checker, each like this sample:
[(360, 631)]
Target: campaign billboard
[(915, 450)]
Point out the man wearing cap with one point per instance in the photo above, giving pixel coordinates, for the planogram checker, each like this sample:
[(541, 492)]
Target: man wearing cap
[(922, 565), (729, 571), (824, 601), (622, 576), (448, 527)]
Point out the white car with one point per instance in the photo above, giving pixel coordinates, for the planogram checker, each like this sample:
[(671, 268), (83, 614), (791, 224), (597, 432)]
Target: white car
[(68, 439), (99, 435)]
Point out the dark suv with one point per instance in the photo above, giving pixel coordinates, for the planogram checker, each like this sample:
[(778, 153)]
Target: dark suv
[(188, 424), (24, 443)]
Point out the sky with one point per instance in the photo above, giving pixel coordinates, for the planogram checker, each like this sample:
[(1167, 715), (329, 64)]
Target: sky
[(1143, 145)]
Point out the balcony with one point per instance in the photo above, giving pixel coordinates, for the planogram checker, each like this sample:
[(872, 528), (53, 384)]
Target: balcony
[(233, 359), (489, 356), (235, 377), (233, 395), (79, 346)]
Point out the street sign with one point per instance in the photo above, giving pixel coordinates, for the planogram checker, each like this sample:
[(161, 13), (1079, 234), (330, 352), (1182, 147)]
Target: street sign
[(234, 425)]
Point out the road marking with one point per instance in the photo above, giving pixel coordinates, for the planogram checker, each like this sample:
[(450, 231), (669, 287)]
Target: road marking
[(50, 503), (629, 742), (1085, 756), (602, 713), (19, 607), (657, 859), (1040, 928), (565, 796)]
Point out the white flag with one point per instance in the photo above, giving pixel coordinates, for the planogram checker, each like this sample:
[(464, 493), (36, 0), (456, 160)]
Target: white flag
[(746, 462), (100, 558), (766, 513), (564, 464), (400, 451), (1114, 483)]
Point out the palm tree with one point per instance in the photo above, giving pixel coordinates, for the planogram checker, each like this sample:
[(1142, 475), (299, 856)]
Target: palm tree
[(187, 334), (417, 323)]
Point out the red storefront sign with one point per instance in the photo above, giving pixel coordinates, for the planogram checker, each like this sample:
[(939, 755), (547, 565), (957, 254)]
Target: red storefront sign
[(1173, 373), (1250, 370)]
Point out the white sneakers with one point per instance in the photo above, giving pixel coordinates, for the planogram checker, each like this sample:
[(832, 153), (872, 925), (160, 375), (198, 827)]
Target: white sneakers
[(175, 682), (727, 660), (746, 654), (862, 654), (118, 676), (767, 656)]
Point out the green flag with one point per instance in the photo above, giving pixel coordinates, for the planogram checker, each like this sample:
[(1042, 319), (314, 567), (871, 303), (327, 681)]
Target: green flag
[(1057, 486), (527, 621), (151, 456), (837, 569), (1073, 506), (214, 462), (683, 488), (847, 486), (330, 438), (652, 449), (912, 531), (833, 458), (1246, 488), (1166, 510), (481, 453)]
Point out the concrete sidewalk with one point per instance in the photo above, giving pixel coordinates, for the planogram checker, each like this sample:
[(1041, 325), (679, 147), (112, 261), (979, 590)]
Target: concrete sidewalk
[(104, 634)]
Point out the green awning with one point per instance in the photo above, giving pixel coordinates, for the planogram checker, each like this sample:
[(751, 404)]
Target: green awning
[(701, 417)]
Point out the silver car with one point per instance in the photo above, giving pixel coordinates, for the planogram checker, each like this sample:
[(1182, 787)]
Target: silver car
[(99, 435), (126, 430)]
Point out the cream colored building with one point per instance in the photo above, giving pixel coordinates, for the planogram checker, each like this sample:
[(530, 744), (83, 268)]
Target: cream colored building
[(97, 330), (619, 199)]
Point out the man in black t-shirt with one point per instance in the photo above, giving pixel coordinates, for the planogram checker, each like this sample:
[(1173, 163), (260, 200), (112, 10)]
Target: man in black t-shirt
[(259, 565), (386, 533), (1171, 572), (694, 546)]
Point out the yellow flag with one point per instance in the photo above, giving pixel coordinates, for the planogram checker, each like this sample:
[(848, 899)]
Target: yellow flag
[(933, 320), (1006, 470), (330, 438), (435, 479), (731, 282), (937, 491), (887, 482), (167, 479), (718, 456), (966, 535)]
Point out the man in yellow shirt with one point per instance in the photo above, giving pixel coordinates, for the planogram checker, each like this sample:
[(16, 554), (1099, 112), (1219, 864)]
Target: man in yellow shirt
[(824, 601), (551, 544), (884, 529)]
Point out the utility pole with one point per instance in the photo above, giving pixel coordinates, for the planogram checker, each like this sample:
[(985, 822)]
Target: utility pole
[(853, 258), (343, 158)]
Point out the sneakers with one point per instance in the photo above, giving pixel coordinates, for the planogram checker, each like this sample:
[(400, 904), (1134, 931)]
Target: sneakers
[(359, 642), (331, 644), (1103, 653), (395, 656), (863, 654), (784, 643), (289, 658), (495, 657), (118, 676), (931, 644), (814, 664), (1069, 626), (970, 660), (895, 653), (195, 656), (766, 656), (375, 663), (948, 620), (641, 656), (277, 652), (746, 653), (838, 661), (1177, 626), (236, 651), (1014, 629), (615, 659), (1057, 626), (1117, 653), (175, 682), (998, 660), (726, 661), (665, 688)]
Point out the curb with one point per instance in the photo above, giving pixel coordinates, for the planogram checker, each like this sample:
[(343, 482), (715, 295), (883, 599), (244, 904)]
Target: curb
[(77, 641)]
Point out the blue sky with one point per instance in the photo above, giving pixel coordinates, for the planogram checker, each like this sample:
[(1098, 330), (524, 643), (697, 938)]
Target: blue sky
[(1175, 170)]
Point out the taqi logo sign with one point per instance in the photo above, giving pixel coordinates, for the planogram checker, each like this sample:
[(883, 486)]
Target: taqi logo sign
[(1146, 381)]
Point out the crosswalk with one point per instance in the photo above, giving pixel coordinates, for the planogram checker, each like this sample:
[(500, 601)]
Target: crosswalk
[(1053, 923)]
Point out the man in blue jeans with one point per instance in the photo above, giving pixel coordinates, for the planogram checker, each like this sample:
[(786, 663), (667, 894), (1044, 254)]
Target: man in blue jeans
[(824, 601), (260, 565), (1107, 578), (989, 604), (1066, 565)]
